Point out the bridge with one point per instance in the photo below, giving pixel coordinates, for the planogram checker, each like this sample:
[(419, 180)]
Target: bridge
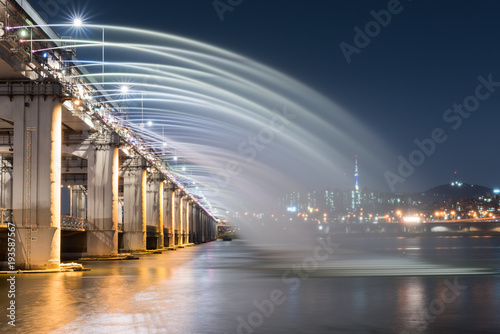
[(451, 225), (123, 196)]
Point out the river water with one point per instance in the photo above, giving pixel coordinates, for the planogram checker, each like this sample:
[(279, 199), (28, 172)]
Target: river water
[(381, 285)]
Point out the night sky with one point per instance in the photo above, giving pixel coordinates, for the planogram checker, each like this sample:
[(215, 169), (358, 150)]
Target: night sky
[(426, 59)]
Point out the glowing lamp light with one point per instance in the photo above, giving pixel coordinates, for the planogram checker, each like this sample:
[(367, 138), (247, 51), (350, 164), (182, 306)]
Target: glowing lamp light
[(411, 219), (496, 191), (23, 33), (150, 123), (124, 89), (77, 22)]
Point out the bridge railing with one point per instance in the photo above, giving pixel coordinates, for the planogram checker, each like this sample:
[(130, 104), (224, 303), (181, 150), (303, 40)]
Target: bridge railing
[(72, 223)]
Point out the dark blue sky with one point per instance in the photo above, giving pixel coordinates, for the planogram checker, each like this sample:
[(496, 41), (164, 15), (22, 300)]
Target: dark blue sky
[(426, 59)]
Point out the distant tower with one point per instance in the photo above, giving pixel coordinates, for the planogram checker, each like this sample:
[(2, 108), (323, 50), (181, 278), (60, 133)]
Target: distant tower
[(356, 196), (356, 174)]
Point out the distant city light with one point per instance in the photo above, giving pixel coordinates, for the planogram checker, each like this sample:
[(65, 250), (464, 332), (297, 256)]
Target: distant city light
[(496, 191), (411, 219), (291, 209)]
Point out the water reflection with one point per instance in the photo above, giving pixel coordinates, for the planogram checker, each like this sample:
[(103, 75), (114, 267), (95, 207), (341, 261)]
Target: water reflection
[(205, 289)]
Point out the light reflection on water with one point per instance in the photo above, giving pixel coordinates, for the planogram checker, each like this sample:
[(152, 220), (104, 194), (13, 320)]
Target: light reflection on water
[(204, 289)]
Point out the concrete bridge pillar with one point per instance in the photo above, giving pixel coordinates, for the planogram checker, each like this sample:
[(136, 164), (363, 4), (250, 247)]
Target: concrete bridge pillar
[(102, 233), (176, 216), (194, 218), (207, 228), (168, 191), (36, 200), (5, 183), (161, 212), (196, 223), (213, 229), (184, 220), (79, 202), (155, 182), (134, 197), (191, 221), (204, 227)]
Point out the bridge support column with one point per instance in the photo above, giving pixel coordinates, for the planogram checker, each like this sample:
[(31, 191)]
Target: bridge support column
[(195, 218), (203, 227), (199, 224), (213, 229), (102, 233), (168, 191), (153, 201), (134, 197), (176, 216), (5, 183), (161, 212), (79, 202), (184, 218), (191, 221), (37, 176)]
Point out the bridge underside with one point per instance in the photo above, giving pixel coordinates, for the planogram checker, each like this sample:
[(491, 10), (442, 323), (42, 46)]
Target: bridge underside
[(55, 154)]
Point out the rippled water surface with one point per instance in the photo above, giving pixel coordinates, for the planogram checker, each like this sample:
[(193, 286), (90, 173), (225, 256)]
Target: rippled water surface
[(386, 285)]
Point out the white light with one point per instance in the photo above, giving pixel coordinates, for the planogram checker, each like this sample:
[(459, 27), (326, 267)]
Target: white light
[(175, 158), (124, 89), (164, 144), (77, 22), (411, 219)]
